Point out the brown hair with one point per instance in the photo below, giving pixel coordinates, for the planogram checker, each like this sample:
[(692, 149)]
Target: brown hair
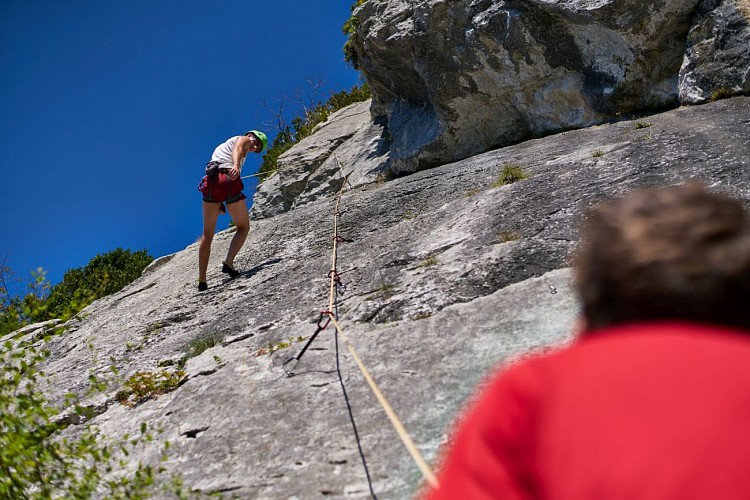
[(677, 253)]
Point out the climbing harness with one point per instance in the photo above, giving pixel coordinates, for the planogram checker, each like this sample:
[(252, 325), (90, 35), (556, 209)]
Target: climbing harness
[(210, 183)]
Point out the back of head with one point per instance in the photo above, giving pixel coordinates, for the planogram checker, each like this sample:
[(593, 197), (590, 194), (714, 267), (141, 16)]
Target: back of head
[(677, 253)]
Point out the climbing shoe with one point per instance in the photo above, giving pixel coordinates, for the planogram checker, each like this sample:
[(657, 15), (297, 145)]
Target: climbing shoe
[(231, 271), (202, 286)]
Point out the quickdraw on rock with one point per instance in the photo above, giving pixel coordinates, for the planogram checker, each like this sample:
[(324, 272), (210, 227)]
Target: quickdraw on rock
[(324, 315), (330, 315)]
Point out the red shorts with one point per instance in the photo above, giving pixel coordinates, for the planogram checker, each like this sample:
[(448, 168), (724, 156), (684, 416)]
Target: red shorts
[(220, 188)]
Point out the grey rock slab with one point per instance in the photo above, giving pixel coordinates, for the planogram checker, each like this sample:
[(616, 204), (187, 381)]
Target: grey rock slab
[(314, 167), (446, 276), (717, 57), (454, 79), (250, 430), (460, 77), (33, 330)]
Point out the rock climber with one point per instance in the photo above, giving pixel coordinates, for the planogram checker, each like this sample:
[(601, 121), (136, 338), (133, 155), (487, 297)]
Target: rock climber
[(651, 400), (220, 185)]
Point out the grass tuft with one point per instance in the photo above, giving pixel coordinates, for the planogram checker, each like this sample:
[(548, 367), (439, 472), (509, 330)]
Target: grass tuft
[(429, 261), (148, 385), (204, 341), (721, 93), (272, 348), (510, 174), (508, 236)]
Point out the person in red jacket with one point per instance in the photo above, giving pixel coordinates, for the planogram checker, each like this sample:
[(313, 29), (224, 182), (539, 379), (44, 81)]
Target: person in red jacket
[(652, 400)]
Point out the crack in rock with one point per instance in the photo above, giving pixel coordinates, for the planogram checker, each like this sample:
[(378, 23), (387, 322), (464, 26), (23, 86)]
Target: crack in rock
[(136, 291)]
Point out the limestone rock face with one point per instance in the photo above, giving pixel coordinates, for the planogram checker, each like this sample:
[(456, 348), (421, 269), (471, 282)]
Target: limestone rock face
[(445, 275), (451, 79), (717, 58), (459, 77), (313, 168)]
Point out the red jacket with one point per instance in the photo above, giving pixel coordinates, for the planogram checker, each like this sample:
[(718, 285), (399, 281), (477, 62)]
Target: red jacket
[(658, 411)]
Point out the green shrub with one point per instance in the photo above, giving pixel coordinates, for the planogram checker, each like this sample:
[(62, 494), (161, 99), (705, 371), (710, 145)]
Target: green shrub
[(9, 321), (36, 462), (281, 143), (18, 311), (350, 30), (104, 274), (302, 126)]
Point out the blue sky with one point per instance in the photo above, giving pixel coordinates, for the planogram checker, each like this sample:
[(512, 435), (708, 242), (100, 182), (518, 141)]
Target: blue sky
[(111, 108)]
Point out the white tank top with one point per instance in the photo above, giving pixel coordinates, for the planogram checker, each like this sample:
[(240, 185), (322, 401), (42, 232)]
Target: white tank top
[(223, 152)]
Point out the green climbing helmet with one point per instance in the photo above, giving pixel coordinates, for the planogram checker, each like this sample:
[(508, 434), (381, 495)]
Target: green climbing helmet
[(262, 137)]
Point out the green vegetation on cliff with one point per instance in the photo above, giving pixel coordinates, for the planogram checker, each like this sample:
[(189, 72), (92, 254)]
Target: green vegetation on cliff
[(302, 126), (104, 274)]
